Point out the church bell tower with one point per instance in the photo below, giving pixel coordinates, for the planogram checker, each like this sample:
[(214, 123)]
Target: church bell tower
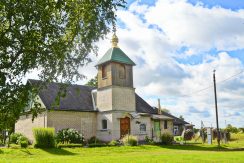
[(115, 80)]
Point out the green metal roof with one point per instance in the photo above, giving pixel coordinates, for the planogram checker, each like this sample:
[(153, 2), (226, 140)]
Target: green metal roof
[(115, 54)]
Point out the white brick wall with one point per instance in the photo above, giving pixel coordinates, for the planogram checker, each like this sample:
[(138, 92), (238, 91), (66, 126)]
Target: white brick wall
[(25, 124), (85, 122)]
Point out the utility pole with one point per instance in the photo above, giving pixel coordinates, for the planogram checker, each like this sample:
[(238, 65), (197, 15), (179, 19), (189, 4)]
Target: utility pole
[(216, 109)]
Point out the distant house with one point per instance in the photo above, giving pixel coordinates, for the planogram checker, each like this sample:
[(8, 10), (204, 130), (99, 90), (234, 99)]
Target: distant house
[(108, 112), (178, 124)]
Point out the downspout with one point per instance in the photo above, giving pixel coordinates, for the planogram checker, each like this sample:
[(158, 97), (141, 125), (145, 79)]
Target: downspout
[(93, 100)]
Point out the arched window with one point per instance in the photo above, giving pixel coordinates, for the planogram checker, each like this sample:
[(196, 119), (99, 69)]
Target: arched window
[(122, 71), (143, 128), (104, 71), (104, 124)]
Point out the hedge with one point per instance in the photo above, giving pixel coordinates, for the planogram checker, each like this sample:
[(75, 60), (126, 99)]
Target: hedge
[(44, 137)]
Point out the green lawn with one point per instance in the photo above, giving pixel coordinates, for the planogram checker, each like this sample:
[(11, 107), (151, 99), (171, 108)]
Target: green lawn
[(232, 152), (197, 153)]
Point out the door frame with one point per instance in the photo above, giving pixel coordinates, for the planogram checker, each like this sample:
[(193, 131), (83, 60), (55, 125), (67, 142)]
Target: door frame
[(129, 126), (157, 133)]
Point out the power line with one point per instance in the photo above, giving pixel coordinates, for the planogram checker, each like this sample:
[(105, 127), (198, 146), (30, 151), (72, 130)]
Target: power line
[(231, 77), (219, 82)]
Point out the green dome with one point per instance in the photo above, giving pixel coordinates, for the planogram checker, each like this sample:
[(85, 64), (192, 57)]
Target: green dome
[(115, 54)]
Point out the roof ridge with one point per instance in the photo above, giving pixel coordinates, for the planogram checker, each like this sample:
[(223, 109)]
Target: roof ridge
[(37, 80)]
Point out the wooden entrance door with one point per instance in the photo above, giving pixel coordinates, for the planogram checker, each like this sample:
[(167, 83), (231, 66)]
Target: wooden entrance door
[(124, 126)]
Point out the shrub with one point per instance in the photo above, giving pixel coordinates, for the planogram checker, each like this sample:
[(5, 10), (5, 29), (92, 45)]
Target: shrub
[(130, 140), (14, 137), (203, 134), (44, 137), (241, 129), (69, 145), (69, 135), (178, 138), (196, 130), (188, 135), (222, 132), (23, 144), (167, 139), (21, 139), (94, 140), (228, 136), (231, 129), (1, 138), (113, 143), (148, 140)]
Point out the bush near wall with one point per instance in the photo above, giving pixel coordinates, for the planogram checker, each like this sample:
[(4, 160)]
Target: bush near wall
[(130, 140), (18, 138), (148, 140), (44, 137), (167, 139), (14, 137), (94, 140), (113, 143), (69, 136)]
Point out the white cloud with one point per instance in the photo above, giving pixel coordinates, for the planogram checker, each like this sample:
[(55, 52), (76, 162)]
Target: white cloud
[(152, 36), (181, 24), (197, 26)]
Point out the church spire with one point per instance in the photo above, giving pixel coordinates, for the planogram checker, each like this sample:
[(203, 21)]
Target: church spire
[(114, 40)]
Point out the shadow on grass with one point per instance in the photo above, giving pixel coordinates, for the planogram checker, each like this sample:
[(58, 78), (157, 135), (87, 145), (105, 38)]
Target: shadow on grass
[(26, 151), (1, 152), (201, 148), (57, 151)]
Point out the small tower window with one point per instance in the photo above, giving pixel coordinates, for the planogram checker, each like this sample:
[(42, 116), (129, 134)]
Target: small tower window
[(104, 71), (122, 71), (104, 124)]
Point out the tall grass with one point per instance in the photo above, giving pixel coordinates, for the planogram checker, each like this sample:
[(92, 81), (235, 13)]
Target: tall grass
[(44, 137)]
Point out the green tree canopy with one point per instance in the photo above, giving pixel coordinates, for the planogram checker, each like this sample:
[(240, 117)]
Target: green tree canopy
[(165, 110), (53, 37), (181, 117), (92, 82)]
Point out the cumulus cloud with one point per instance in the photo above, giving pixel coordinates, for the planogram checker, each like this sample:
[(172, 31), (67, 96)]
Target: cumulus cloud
[(198, 27), (154, 36), (157, 36)]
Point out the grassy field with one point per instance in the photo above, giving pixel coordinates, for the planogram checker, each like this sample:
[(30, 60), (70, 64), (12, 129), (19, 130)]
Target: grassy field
[(232, 152)]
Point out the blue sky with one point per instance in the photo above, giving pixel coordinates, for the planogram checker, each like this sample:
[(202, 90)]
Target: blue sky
[(228, 4), (176, 45)]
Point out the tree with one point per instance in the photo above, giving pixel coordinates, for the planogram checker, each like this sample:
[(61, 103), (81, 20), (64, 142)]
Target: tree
[(241, 129), (53, 37), (165, 110), (181, 117), (92, 82), (231, 129)]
